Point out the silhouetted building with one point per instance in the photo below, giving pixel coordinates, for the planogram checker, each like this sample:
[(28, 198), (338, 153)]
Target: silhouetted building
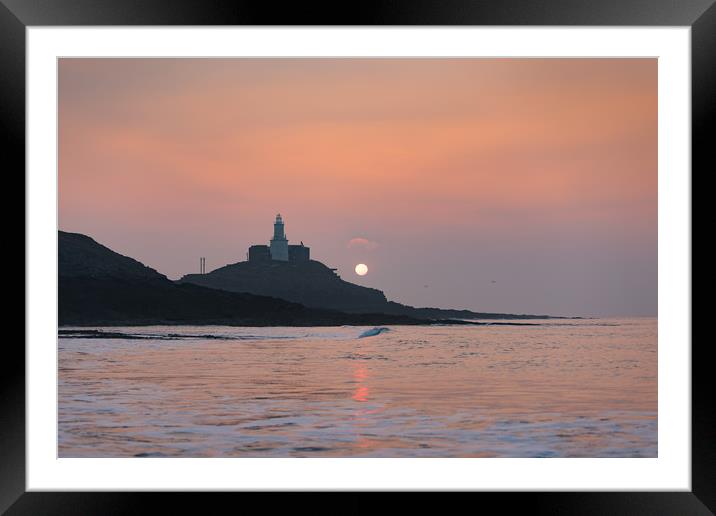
[(298, 253), (259, 253), (278, 248)]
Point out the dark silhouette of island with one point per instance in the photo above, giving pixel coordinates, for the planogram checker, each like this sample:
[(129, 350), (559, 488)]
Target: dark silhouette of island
[(286, 271), (99, 287), (315, 285)]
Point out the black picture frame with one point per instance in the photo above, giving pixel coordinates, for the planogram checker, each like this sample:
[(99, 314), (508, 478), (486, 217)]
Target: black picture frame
[(17, 15)]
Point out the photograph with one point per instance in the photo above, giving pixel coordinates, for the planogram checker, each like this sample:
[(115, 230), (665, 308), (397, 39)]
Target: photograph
[(388, 257)]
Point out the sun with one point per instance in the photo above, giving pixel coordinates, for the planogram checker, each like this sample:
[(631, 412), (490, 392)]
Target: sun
[(361, 269)]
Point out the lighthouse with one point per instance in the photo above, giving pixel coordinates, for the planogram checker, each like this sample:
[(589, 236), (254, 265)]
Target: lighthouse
[(279, 242), (278, 248)]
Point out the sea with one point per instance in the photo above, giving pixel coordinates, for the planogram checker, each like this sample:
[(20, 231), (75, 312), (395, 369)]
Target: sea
[(511, 388)]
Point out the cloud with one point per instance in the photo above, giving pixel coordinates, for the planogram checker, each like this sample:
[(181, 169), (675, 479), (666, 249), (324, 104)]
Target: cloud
[(361, 243)]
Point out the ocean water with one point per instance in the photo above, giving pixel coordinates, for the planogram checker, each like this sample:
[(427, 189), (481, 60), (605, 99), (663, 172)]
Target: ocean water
[(554, 388)]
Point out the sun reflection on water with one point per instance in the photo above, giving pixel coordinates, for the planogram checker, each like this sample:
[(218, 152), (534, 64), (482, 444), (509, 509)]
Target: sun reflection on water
[(360, 375)]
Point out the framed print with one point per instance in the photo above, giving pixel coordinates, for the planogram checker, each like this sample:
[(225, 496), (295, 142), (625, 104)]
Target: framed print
[(438, 247)]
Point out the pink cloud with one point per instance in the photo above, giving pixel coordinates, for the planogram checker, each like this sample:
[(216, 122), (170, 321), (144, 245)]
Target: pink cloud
[(361, 243)]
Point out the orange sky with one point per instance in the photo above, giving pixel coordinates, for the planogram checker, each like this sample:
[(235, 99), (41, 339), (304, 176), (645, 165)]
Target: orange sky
[(520, 185)]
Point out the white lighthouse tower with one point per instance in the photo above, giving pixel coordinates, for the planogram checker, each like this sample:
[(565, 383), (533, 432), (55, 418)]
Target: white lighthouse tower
[(279, 242)]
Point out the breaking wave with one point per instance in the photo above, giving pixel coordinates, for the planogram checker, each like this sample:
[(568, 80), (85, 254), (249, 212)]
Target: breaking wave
[(372, 332)]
